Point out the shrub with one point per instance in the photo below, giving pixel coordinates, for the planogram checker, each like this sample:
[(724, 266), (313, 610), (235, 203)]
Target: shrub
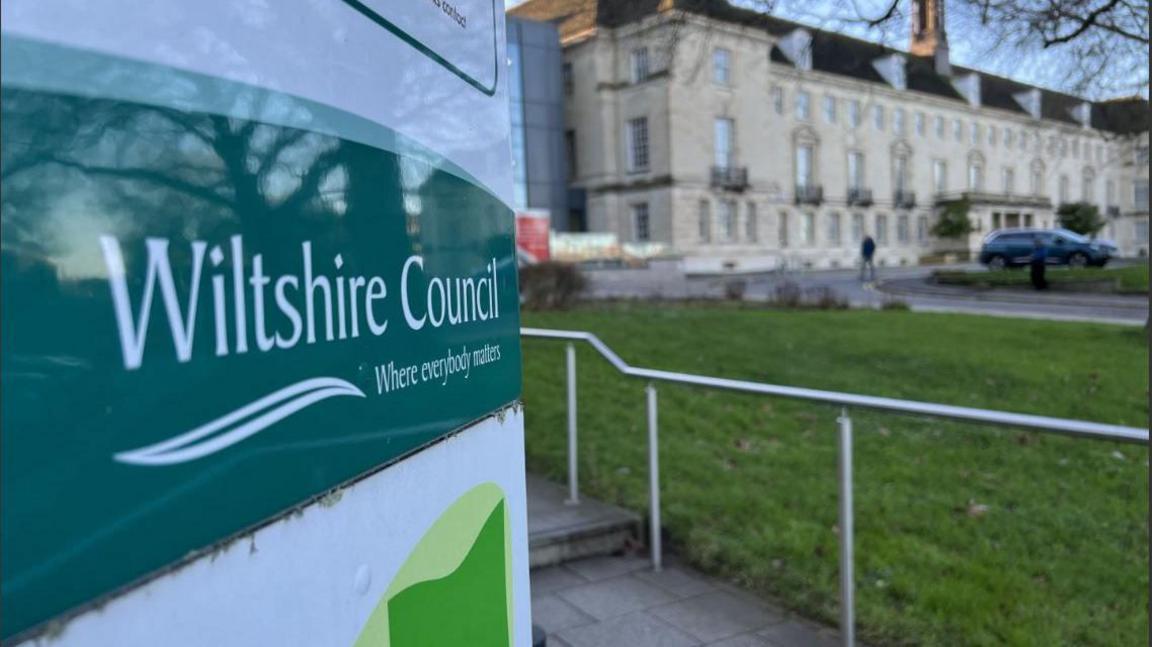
[(954, 221), (895, 304), (551, 285), (788, 295), (1080, 217), (734, 289)]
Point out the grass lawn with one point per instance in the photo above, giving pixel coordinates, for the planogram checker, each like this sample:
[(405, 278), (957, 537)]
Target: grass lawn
[(966, 535), (1131, 279)]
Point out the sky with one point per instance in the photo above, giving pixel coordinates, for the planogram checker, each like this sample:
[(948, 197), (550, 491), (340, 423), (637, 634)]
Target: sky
[(969, 45)]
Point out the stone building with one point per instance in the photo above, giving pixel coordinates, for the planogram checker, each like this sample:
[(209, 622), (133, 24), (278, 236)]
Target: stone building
[(748, 142)]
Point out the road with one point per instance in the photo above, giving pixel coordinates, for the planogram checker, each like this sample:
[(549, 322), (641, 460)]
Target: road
[(904, 284)]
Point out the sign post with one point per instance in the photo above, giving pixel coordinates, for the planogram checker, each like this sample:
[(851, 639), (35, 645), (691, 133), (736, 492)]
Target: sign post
[(260, 330)]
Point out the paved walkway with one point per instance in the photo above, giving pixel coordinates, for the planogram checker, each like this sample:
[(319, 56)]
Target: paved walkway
[(613, 601)]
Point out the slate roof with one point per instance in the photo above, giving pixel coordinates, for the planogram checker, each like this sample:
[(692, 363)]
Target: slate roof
[(839, 54)]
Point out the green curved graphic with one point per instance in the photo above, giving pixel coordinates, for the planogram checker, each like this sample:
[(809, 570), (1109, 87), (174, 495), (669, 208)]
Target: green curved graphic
[(456, 586)]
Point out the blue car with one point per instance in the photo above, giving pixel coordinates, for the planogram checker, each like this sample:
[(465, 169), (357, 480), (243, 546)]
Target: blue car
[(1006, 248)]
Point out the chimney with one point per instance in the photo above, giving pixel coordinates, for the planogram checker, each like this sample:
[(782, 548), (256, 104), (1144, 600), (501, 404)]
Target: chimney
[(928, 35)]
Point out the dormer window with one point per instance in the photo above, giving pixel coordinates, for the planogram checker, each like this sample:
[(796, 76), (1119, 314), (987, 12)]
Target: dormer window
[(969, 87), (797, 47), (1029, 100), (892, 69)]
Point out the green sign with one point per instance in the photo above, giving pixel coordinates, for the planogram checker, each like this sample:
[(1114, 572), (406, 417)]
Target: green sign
[(210, 317)]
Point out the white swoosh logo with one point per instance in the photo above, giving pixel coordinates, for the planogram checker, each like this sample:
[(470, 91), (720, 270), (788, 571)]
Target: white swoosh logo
[(234, 427)]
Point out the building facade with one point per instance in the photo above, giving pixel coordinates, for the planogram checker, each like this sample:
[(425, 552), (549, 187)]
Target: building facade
[(536, 105), (746, 142)]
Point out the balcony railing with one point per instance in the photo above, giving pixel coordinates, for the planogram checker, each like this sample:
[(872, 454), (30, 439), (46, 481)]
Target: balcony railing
[(730, 178), (859, 197), (809, 194), (903, 199)]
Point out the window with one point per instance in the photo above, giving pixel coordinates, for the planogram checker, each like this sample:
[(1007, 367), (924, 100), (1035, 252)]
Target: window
[(1076, 148), (854, 113), (938, 126), (570, 149), (1099, 152), (782, 229), (1142, 155), (640, 221), (1110, 193), (728, 220), (803, 165), (1008, 134), (834, 229), (957, 130), (830, 109), (705, 222), (751, 226), (1037, 179), (919, 124), (900, 172), (881, 229), (898, 121), (801, 104), (975, 175), (902, 230), (939, 176), (1024, 140), (855, 170), (922, 229), (1009, 181), (992, 135), (638, 144), (722, 134), (721, 73), (640, 65), (878, 117), (1088, 186), (858, 227), (1063, 188), (1140, 195), (974, 132), (569, 82), (1141, 228), (808, 233), (777, 94)]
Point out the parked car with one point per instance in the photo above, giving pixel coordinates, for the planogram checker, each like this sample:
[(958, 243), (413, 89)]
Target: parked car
[(1005, 248)]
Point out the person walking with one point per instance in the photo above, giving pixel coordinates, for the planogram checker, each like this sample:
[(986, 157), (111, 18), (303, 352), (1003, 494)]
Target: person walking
[(1039, 264), (867, 251)]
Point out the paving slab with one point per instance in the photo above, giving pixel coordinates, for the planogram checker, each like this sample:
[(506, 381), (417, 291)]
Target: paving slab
[(633, 630), (614, 597), (716, 615)]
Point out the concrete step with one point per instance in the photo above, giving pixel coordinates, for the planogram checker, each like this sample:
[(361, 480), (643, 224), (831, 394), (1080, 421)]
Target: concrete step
[(560, 532)]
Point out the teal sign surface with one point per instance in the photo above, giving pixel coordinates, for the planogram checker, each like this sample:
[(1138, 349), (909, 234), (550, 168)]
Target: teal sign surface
[(209, 318)]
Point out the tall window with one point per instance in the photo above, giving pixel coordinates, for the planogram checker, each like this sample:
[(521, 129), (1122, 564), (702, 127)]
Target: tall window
[(722, 134), (878, 117), (854, 113), (728, 220), (857, 227), (1110, 193), (804, 165), (640, 221), (1088, 186), (1008, 135), (1037, 179), (920, 124), (1140, 195), (777, 97), (569, 82), (751, 226), (938, 126), (704, 222), (855, 170), (881, 229), (638, 144), (639, 65), (902, 230), (782, 229), (721, 71), (898, 121), (922, 229), (830, 109), (808, 232), (974, 132), (1063, 189), (939, 176), (975, 175), (1009, 181), (570, 149), (900, 172), (802, 107), (834, 229), (992, 135)]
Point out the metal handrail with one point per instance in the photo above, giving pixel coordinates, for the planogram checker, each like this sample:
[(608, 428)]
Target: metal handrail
[(1075, 428)]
